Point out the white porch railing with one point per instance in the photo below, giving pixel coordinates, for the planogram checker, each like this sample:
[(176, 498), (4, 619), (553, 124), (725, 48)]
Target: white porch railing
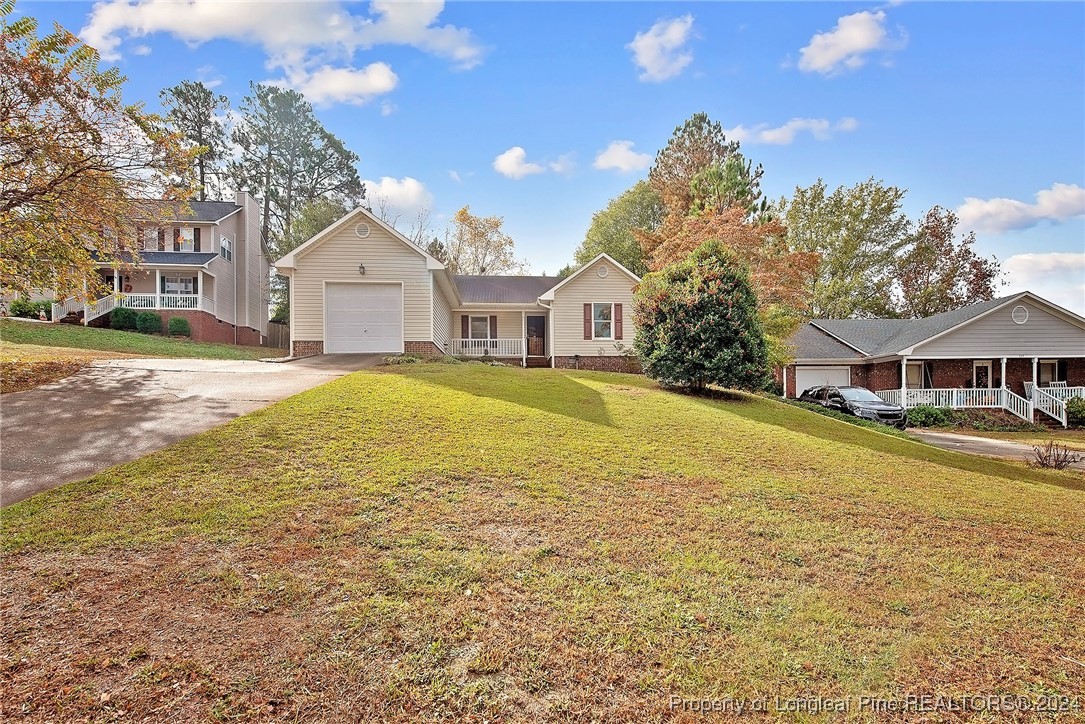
[(979, 397), (1049, 404), (95, 309), (490, 347), (1064, 393)]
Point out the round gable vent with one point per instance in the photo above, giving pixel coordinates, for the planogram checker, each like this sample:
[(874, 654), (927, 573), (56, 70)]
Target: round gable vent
[(1019, 314), (602, 271), (362, 230)]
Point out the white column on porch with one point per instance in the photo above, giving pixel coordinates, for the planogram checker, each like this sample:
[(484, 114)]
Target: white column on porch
[(157, 287), (116, 281), (904, 382), (1003, 373)]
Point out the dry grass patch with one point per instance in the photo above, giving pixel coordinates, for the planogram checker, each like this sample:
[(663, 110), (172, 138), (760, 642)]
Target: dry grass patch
[(475, 543), (25, 366)]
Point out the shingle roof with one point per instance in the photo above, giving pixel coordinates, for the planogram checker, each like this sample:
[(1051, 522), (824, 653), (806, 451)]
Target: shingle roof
[(878, 337), (177, 258), (475, 289), (198, 211), (811, 343)]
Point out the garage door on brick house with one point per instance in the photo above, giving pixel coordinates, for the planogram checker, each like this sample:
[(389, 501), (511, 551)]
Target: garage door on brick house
[(363, 317), (806, 377)]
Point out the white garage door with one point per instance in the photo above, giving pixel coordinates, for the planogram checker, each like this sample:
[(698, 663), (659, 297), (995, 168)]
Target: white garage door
[(806, 377), (363, 317)]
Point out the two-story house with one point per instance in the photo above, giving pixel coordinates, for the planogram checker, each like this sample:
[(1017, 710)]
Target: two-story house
[(208, 265)]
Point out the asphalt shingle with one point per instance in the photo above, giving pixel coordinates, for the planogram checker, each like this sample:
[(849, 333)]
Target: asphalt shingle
[(477, 289)]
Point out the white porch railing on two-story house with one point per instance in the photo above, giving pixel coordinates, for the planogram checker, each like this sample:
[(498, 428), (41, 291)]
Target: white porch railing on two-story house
[(487, 347), (143, 302)]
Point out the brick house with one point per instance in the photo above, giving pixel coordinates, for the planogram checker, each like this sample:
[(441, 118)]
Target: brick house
[(1020, 353), (208, 265), (361, 286)]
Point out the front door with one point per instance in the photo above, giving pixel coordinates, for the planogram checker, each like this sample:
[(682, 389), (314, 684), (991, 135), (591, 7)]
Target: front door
[(536, 336), (981, 374)]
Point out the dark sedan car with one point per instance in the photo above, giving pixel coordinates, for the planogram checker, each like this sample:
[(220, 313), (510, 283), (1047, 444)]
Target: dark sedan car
[(858, 401)]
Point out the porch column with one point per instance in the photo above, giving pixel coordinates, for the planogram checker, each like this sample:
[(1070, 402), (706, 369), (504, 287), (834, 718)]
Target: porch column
[(1004, 385), (116, 281), (1035, 372), (157, 288), (904, 382)]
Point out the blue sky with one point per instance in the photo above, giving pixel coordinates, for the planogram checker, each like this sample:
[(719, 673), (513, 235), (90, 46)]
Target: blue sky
[(542, 112)]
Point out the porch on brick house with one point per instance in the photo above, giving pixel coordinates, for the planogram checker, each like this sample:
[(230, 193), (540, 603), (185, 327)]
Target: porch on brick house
[(521, 335), (1026, 387)]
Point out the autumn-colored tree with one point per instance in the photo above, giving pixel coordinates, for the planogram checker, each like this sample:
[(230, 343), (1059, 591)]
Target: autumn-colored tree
[(77, 164), (940, 272), (778, 275), (478, 245), (637, 209), (193, 110), (858, 233)]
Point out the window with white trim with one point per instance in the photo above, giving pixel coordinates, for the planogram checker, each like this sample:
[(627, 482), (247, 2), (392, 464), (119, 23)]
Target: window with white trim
[(186, 240), (602, 321), (480, 328), (226, 249), (179, 285), (1048, 371), (150, 239)]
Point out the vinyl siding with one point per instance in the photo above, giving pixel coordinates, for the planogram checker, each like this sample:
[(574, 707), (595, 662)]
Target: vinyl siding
[(996, 335), (385, 259), (568, 312), (442, 317), (224, 288)]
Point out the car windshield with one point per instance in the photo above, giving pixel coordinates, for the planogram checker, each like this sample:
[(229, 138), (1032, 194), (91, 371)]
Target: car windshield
[(858, 394)]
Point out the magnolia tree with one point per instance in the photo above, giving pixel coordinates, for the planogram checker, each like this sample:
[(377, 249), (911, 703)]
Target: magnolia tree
[(697, 323)]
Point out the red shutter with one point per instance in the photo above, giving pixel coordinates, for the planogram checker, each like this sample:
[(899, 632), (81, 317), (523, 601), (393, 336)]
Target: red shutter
[(493, 326), (195, 239), (617, 321), (161, 239), (139, 238), (587, 321), (177, 240), (465, 327)]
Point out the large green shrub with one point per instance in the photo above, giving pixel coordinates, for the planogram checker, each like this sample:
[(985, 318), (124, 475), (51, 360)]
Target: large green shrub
[(1075, 412), (30, 310), (123, 318), (697, 323), (179, 326), (149, 323), (929, 416)]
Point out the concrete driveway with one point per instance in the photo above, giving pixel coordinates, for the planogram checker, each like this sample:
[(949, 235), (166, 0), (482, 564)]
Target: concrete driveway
[(118, 410), (981, 445)]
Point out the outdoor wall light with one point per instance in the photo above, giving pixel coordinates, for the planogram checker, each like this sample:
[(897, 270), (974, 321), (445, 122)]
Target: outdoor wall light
[(361, 269)]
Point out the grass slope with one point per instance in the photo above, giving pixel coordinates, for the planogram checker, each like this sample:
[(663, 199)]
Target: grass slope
[(111, 340), (468, 542)]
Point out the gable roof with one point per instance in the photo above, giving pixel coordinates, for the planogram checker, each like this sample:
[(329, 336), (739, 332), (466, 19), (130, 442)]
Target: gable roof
[(475, 289), (815, 343), (288, 260), (198, 212), (549, 294), (895, 337)]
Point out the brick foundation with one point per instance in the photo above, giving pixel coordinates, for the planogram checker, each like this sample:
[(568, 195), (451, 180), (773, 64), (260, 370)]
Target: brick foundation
[(600, 363), (422, 349), (205, 327), (305, 349)]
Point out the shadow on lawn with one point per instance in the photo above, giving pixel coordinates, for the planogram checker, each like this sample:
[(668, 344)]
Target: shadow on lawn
[(814, 425), (558, 394)]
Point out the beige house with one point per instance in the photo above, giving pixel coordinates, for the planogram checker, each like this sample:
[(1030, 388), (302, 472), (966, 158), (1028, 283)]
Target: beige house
[(360, 286), (208, 265)]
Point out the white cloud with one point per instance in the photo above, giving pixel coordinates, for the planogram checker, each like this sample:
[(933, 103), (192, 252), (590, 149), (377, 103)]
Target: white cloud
[(513, 164), (356, 86), (388, 108), (141, 50), (312, 42), (620, 156), (1056, 204), (398, 197), (455, 176), (565, 164), (846, 46), (660, 51), (1056, 276), (820, 128)]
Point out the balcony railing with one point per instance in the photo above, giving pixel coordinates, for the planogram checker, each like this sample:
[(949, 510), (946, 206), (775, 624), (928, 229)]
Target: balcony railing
[(487, 347)]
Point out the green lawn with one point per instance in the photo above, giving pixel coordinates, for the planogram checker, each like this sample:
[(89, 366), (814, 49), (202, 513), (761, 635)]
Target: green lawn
[(111, 340), (464, 541)]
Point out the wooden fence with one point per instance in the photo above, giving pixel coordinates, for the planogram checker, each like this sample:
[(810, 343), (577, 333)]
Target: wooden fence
[(278, 335)]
